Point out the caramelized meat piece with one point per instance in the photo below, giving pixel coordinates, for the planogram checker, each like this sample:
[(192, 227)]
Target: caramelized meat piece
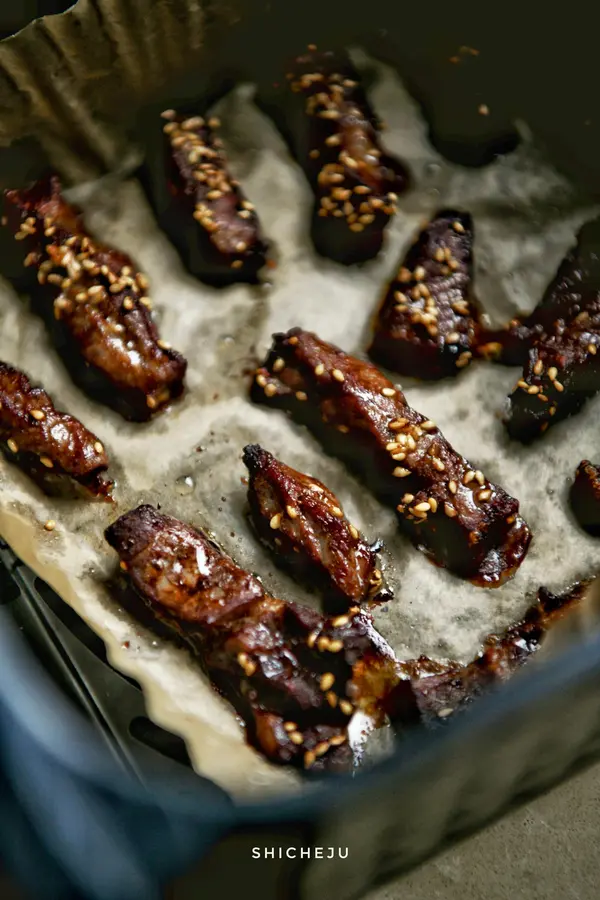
[(293, 676), (55, 449), (574, 288), (585, 497), (562, 371), (448, 507), (303, 524), (426, 325), (94, 303), (432, 690), (201, 206), (324, 115)]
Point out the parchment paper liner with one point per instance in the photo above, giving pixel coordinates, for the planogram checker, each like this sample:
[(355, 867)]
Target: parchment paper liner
[(525, 217)]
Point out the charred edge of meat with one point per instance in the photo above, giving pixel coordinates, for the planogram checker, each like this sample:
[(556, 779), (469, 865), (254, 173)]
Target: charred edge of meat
[(94, 303), (426, 326), (562, 372), (448, 508), (203, 209), (332, 132), (585, 497), (432, 691), (295, 677), (574, 289), (52, 447), (302, 523)]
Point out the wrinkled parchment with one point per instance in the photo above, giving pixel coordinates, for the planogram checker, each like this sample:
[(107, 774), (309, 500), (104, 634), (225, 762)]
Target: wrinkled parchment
[(188, 460)]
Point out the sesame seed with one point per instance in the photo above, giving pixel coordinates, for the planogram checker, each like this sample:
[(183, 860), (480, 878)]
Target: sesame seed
[(335, 646), (98, 447), (398, 424), (592, 349), (261, 380), (214, 122), (241, 246), (327, 681), (123, 565), (422, 507), (343, 429), (559, 387), (296, 737), (270, 389), (337, 739), (411, 443), (449, 510), (552, 373), (469, 476), (164, 345), (399, 472), (321, 748), (290, 726), (300, 395), (292, 512), (533, 389), (419, 273), (37, 414), (279, 364), (484, 495), (275, 521), (332, 698), (538, 367), (522, 384), (428, 425), (311, 639), (346, 707), (453, 337), (50, 525), (439, 465), (408, 498), (128, 303), (151, 402), (12, 445), (337, 512), (388, 392), (46, 461), (338, 375), (309, 758), (453, 487), (480, 477), (420, 513), (319, 369), (458, 227)]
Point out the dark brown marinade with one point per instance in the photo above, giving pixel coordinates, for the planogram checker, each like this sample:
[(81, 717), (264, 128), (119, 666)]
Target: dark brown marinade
[(327, 121), (431, 691), (426, 326), (54, 448), (561, 373), (303, 524), (94, 303), (574, 288), (449, 509), (293, 676), (585, 497), (201, 206)]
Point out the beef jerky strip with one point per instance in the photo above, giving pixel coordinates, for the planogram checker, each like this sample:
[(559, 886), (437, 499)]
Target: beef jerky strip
[(562, 371), (426, 326), (432, 690), (585, 497), (574, 288), (95, 304), (294, 677), (203, 209), (324, 114), (303, 524), (55, 449), (448, 507)]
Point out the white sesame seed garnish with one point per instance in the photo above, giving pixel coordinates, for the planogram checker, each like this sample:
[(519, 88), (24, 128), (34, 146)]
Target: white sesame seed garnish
[(449, 510), (559, 387), (46, 461), (458, 227), (292, 512), (50, 525), (37, 414), (301, 395), (484, 495), (452, 487), (279, 364), (552, 373), (327, 681), (164, 345), (12, 445), (338, 375), (275, 521), (98, 447), (388, 392), (261, 380), (469, 476), (400, 472)]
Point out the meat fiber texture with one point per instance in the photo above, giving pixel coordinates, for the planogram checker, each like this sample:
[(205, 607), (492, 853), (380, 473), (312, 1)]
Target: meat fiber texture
[(188, 460)]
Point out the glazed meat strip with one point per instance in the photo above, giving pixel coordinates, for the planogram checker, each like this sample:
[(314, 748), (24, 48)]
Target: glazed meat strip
[(323, 113), (293, 676), (561, 373), (201, 205), (54, 448), (574, 289), (94, 302), (426, 326), (585, 497), (432, 690), (302, 522), (448, 507)]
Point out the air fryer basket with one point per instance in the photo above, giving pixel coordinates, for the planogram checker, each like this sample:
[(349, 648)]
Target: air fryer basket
[(90, 807)]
